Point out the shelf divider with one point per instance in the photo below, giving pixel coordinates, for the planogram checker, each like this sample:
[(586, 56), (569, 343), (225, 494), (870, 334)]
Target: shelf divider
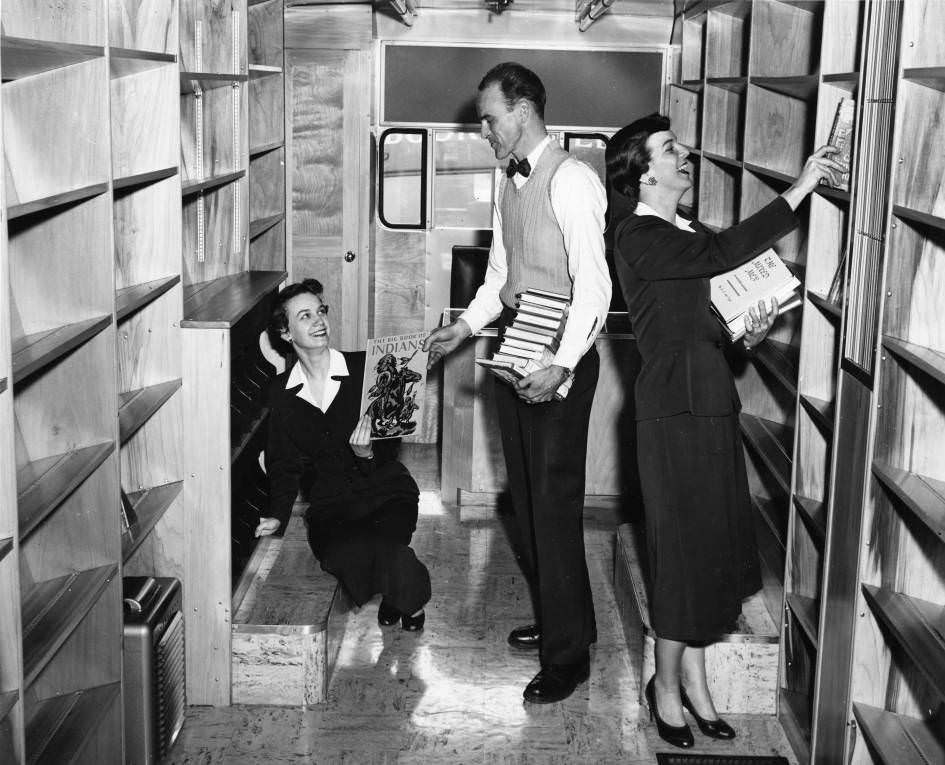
[(42, 485), (913, 625), (53, 609), (136, 407), (924, 496), (149, 507), (33, 352), (897, 739), (131, 299), (60, 725)]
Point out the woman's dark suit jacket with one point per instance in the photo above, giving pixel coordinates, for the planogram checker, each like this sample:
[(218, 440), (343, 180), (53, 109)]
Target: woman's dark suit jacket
[(664, 273), (308, 449)]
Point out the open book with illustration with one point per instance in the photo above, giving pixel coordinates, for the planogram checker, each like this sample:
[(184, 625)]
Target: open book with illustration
[(530, 342), (761, 278), (395, 373)]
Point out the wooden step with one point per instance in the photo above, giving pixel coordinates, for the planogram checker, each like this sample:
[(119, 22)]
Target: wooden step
[(742, 666), (924, 496), (60, 726), (897, 739), (53, 609), (149, 506), (916, 625), (136, 407), (288, 623), (42, 485)]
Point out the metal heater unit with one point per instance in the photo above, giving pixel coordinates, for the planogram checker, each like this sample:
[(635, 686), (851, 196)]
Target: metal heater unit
[(153, 667)]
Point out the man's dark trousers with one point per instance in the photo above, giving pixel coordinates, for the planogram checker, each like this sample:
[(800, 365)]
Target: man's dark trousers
[(545, 448)]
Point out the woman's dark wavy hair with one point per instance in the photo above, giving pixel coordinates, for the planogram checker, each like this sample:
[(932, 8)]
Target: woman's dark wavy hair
[(279, 319), (627, 157), (516, 81)]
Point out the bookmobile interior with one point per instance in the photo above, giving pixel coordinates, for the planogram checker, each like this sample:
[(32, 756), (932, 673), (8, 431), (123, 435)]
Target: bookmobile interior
[(169, 163)]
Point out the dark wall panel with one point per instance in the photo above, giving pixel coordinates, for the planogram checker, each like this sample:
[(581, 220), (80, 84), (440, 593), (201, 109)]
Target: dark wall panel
[(432, 84)]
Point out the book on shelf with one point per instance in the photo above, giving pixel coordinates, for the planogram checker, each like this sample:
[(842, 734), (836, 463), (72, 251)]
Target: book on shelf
[(395, 374), (529, 343), (841, 138), (835, 293), (128, 515), (762, 278)]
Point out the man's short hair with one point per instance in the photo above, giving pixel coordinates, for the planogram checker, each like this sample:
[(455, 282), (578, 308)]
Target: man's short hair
[(516, 82)]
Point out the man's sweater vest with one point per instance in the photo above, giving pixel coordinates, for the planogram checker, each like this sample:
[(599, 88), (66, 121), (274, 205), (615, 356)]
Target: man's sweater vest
[(534, 244)]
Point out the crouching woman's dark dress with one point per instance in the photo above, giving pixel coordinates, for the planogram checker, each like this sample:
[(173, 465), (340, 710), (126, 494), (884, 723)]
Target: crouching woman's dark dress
[(700, 538), (362, 513)]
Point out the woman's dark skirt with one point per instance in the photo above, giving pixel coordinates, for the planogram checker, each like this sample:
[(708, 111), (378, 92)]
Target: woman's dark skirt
[(700, 538)]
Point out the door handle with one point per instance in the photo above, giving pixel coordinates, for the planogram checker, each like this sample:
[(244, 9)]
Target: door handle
[(349, 256)]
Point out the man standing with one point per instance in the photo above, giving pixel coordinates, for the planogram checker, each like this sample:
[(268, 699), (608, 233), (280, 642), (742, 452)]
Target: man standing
[(547, 234)]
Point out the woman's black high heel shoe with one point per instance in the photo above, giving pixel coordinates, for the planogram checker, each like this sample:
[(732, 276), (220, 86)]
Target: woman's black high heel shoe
[(711, 728), (413, 623), (677, 735), (386, 615)]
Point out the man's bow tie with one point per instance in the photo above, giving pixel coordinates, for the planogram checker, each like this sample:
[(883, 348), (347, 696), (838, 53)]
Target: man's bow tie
[(522, 168)]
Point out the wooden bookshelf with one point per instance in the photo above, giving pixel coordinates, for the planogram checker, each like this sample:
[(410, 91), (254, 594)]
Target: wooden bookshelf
[(62, 727), (149, 507), (233, 154)]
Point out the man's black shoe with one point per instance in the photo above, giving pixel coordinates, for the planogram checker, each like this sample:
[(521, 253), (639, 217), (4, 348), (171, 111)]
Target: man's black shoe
[(556, 682), (526, 638)]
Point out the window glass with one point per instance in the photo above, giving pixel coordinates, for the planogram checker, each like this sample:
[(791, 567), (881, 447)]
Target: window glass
[(403, 166), (589, 148), (464, 181)]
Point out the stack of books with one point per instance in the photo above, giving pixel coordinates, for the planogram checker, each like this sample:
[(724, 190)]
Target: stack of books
[(761, 278), (530, 342)]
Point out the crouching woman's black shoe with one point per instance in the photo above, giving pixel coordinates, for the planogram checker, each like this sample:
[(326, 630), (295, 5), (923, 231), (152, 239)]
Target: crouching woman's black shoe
[(677, 735), (387, 615), (413, 623)]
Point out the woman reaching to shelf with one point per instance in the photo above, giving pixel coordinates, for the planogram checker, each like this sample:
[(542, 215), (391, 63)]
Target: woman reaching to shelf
[(700, 539), (362, 502)]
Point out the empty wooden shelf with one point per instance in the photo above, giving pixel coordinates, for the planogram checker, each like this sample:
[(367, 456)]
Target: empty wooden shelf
[(43, 484), (137, 406), (262, 225), (924, 496), (780, 359), (149, 506), (820, 411), (914, 626), (6, 545), (814, 516), (897, 739), (929, 361), (33, 352), (60, 726), (223, 302), (190, 187), (136, 297), (53, 609), (23, 57), (805, 611), (771, 441)]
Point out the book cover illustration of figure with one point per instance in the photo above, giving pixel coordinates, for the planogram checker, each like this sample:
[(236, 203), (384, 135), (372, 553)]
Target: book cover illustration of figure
[(395, 371)]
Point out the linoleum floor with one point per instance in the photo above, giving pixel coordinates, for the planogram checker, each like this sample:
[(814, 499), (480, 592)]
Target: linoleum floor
[(453, 693)]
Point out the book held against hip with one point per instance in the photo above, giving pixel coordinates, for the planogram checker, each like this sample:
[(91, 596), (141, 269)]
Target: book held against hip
[(529, 343), (762, 278)]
